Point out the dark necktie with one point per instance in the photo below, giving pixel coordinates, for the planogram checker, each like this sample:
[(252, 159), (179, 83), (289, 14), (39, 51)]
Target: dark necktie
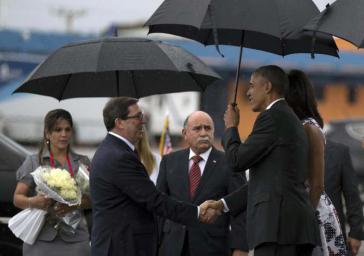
[(137, 153), (194, 175)]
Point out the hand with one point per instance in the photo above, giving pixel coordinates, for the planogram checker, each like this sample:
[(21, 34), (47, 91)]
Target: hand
[(231, 116), (40, 201), (354, 245), (210, 210), (238, 252), (62, 209)]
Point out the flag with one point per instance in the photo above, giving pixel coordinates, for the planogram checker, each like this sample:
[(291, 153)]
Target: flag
[(165, 145)]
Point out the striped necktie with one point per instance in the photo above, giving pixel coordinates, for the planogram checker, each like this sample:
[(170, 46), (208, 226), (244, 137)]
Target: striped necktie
[(194, 175)]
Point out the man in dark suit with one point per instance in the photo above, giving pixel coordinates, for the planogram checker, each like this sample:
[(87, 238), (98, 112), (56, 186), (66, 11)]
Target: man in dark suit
[(341, 181), (124, 199), (280, 218), (213, 180)]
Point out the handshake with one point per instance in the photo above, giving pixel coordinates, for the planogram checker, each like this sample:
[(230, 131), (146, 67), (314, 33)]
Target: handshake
[(210, 210)]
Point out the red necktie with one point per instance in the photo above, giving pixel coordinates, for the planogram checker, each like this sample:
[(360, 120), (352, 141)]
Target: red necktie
[(194, 175)]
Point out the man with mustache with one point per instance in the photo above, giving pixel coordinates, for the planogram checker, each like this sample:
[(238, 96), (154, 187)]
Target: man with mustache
[(195, 175)]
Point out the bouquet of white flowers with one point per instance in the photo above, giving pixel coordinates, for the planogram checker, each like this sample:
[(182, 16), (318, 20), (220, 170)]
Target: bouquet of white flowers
[(59, 185)]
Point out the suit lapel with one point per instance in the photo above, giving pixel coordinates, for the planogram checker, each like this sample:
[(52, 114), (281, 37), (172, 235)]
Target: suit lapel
[(210, 168), (183, 177), (124, 147)]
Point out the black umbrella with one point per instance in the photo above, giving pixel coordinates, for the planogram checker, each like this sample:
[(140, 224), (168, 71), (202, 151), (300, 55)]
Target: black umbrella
[(344, 19), (269, 25), (118, 67)]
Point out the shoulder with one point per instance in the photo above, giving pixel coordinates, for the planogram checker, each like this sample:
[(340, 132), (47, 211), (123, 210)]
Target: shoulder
[(217, 153), (315, 136), (31, 160), (312, 130), (175, 154), (29, 165), (82, 158), (265, 120)]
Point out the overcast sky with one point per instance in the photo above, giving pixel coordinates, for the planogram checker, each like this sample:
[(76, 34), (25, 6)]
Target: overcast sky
[(97, 14)]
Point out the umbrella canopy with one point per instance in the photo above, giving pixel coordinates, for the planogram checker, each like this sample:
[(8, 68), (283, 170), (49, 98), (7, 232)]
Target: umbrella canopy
[(269, 25), (344, 19), (113, 67)]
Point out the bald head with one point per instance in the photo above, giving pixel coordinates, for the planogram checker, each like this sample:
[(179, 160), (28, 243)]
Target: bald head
[(198, 131)]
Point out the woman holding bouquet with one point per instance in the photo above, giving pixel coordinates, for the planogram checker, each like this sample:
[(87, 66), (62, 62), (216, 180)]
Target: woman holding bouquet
[(55, 237)]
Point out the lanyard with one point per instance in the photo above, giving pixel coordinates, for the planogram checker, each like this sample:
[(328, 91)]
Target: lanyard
[(51, 160)]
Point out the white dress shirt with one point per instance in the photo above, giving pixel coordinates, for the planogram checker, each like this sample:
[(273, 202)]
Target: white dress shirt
[(274, 102), (202, 163)]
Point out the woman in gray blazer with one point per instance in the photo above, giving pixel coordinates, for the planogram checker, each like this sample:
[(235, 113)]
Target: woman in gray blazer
[(55, 152)]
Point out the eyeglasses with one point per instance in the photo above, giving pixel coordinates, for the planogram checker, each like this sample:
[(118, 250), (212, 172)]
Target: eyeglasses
[(139, 116)]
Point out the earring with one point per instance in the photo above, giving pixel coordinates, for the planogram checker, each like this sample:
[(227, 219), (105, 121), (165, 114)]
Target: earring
[(47, 141)]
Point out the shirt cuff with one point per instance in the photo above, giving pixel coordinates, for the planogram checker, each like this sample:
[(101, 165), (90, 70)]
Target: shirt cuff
[(198, 212), (226, 208)]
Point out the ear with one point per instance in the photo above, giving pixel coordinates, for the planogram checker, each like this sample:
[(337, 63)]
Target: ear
[(268, 87), (184, 132), (118, 123)]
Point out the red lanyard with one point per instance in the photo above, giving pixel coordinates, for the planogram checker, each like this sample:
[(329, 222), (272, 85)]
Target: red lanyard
[(51, 160)]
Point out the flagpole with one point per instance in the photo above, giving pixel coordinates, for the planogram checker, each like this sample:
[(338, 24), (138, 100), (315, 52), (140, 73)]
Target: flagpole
[(163, 135)]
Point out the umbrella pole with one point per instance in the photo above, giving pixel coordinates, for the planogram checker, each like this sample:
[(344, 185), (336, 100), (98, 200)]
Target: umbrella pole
[(117, 83), (238, 70)]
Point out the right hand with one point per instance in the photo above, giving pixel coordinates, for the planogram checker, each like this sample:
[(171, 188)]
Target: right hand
[(40, 201), (210, 210), (231, 116)]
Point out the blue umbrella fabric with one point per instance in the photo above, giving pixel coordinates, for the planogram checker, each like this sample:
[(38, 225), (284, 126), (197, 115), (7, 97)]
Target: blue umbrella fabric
[(112, 67)]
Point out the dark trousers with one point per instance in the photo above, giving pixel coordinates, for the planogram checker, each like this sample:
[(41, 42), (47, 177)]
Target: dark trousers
[(273, 249), (186, 247)]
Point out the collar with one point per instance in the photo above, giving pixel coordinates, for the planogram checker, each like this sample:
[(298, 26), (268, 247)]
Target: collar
[(204, 155), (46, 154), (272, 103), (123, 139)]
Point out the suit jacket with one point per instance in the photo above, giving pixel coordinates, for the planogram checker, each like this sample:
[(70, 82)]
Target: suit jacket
[(276, 152), (216, 182), (124, 201), (341, 180)]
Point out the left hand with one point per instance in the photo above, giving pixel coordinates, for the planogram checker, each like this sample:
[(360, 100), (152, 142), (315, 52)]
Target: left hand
[(353, 245), (231, 116), (62, 209)]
